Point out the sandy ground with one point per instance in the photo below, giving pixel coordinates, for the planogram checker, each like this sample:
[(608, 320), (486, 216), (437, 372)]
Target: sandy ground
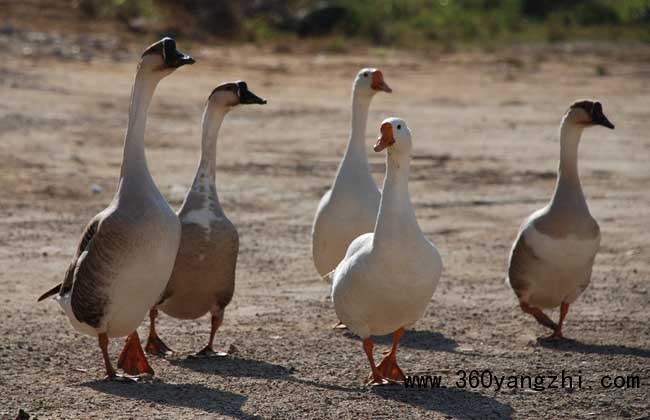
[(485, 133)]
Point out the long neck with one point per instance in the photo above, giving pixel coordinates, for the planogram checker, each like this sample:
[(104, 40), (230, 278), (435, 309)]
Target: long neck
[(134, 162), (355, 160), (568, 189), (212, 118), (396, 216)]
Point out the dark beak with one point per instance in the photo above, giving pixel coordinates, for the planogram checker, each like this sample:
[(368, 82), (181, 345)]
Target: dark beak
[(173, 57), (181, 59), (599, 118), (602, 120), (248, 97)]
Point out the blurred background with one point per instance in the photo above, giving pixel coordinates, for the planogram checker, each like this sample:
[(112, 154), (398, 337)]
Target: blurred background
[(332, 24)]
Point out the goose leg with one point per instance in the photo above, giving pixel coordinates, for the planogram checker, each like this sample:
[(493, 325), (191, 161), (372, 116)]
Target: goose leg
[(154, 344), (539, 315), (375, 377), (111, 374), (215, 323), (557, 334), (132, 360), (388, 366), (103, 344)]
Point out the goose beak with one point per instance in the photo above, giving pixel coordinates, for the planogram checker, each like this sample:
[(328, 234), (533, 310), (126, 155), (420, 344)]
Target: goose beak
[(181, 59), (599, 118), (378, 82), (602, 120), (174, 58), (248, 97), (386, 139), (606, 123)]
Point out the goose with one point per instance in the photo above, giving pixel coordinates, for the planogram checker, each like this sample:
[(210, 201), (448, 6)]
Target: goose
[(388, 276), (203, 278), (551, 260), (349, 208), (127, 251)]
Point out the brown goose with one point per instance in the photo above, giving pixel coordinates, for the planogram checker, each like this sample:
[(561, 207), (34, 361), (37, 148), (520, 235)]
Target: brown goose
[(127, 251), (203, 279), (552, 258)]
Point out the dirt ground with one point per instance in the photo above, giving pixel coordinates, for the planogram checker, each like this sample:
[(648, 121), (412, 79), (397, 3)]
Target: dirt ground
[(485, 131)]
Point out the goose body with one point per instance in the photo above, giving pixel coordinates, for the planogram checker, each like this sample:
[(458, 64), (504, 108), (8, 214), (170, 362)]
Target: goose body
[(551, 267), (203, 278), (127, 251), (369, 297), (349, 208), (387, 277), (97, 297), (551, 260)]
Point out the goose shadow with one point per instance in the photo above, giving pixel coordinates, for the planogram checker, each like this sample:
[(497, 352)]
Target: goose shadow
[(454, 402), (575, 346), (249, 368), (235, 367), (196, 396), (415, 339)]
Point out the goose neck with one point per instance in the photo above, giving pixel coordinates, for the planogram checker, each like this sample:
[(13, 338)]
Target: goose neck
[(212, 119), (396, 216), (134, 160), (356, 145), (568, 179)]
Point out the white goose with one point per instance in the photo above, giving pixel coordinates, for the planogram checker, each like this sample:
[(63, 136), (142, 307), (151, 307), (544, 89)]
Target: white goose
[(552, 257), (349, 208), (127, 251), (388, 276), (203, 278)]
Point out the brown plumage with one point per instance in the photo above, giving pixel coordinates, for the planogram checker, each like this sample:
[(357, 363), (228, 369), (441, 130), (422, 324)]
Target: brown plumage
[(204, 271), (203, 278), (551, 260), (126, 252)]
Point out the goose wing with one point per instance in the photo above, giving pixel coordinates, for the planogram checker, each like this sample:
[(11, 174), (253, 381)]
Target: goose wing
[(521, 259), (86, 238), (102, 251)]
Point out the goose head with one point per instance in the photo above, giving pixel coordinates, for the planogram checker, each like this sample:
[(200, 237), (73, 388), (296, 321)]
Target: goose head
[(228, 95), (587, 113), (160, 59), (371, 81), (395, 136)]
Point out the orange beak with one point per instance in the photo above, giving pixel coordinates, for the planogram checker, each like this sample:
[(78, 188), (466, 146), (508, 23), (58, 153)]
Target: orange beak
[(378, 82), (386, 139)]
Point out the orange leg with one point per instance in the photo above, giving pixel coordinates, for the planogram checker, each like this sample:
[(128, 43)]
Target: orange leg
[(215, 323), (154, 344), (539, 315), (375, 377), (388, 366), (132, 360), (103, 344), (557, 334)]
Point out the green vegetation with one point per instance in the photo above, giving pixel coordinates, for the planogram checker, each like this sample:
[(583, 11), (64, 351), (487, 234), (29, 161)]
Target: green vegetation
[(398, 22), (125, 9)]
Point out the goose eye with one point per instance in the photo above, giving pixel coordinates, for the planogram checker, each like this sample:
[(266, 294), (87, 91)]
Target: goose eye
[(365, 74), (399, 126)]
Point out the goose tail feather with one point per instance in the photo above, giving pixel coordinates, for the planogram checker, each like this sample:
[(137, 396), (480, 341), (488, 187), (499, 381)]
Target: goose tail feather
[(329, 277), (53, 291)]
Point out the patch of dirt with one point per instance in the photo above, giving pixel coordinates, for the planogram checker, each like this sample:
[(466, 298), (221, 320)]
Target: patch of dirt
[(485, 153)]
